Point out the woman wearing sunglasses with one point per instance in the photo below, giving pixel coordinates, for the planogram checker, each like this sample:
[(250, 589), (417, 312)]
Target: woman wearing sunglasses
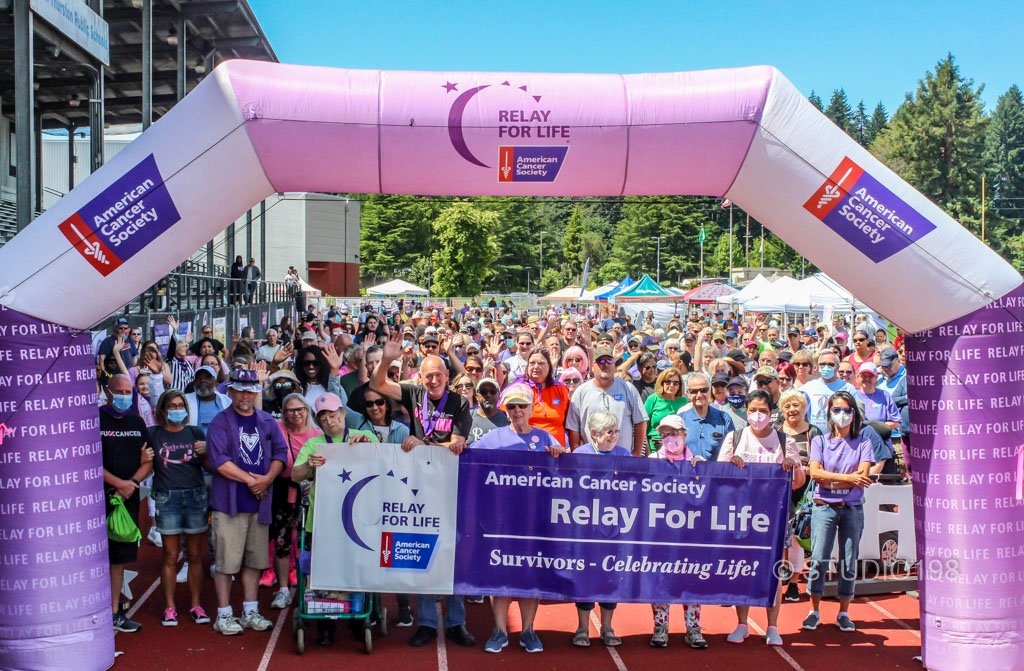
[(667, 399), (465, 387), (576, 358), (840, 463)]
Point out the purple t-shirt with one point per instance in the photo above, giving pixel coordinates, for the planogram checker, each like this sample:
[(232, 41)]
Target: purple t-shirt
[(841, 455), (589, 448), (249, 458), (505, 438)]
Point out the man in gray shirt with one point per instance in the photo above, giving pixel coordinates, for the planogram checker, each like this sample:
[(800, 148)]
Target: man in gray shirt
[(487, 417), (611, 394)]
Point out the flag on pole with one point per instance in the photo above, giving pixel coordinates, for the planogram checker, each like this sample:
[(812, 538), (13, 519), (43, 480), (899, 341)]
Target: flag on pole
[(586, 272), (703, 236)]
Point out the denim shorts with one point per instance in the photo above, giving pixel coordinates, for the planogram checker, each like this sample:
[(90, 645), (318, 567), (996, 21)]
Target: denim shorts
[(181, 511)]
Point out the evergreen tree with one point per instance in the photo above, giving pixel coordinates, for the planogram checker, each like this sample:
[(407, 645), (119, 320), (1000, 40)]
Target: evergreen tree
[(466, 250), (816, 101), (394, 234), (878, 122), (839, 110), (860, 125), (936, 140), (677, 222), (1004, 159)]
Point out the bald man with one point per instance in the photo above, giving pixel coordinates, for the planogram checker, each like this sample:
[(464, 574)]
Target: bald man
[(439, 417)]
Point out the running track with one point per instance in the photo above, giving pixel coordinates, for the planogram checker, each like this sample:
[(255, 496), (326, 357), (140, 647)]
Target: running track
[(888, 637)]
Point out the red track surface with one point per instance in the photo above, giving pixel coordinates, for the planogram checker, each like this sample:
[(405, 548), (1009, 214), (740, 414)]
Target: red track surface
[(887, 638)]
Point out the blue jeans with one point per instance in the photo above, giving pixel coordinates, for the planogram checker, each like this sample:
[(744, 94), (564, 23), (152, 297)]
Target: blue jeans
[(426, 611), (826, 521)]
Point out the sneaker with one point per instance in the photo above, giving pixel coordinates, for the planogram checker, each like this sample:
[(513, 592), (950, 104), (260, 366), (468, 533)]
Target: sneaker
[(529, 641), (659, 639), (773, 637), (811, 621), (474, 599), (694, 638), (124, 625), (792, 593), (282, 599), (497, 642), (845, 623), (404, 618), (170, 618), (182, 576), (739, 634), (228, 625), (253, 620), (199, 615), (155, 538)]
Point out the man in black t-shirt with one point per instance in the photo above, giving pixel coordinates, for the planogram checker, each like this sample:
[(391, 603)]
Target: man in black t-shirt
[(127, 461), (439, 417)]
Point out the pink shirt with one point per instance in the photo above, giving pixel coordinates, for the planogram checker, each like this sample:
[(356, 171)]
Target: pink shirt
[(295, 441)]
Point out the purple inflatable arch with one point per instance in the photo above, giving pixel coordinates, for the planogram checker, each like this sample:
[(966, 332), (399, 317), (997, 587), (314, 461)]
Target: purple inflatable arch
[(252, 129)]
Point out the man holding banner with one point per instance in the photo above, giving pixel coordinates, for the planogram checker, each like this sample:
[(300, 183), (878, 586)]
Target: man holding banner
[(438, 418)]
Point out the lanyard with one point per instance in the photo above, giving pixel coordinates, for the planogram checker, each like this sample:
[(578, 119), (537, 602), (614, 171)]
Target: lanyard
[(344, 437)]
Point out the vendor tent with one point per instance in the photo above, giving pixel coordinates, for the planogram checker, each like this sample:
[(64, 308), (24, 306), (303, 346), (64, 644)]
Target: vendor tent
[(567, 294), (646, 290), (397, 288), (590, 295), (624, 284), (775, 297), (707, 293), (308, 289), (754, 288)]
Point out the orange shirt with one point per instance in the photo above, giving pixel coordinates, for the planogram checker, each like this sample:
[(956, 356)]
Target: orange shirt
[(549, 410)]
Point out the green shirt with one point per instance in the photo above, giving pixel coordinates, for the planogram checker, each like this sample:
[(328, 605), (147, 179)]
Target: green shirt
[(657, 408), (312, 446)]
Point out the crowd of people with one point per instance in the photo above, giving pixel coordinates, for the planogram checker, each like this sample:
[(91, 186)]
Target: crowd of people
[(228, 433)]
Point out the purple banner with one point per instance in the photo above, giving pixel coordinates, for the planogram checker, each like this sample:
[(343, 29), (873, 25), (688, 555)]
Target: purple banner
[(966, 387), (619, 529), (55, 587)]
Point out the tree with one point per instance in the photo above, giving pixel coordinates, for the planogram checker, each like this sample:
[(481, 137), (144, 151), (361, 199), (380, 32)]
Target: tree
[(466, 249), (517, 238), (878, 122), (815, 100), (676, 221), (395, 233), (839, 110), (1004, 159), (860, 125), (936, 140)]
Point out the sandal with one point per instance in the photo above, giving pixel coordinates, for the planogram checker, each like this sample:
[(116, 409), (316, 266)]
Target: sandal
[(609, 638), (582, 638)]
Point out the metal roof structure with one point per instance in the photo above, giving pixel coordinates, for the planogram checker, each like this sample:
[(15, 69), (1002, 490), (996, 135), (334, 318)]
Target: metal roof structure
[(205, 32)]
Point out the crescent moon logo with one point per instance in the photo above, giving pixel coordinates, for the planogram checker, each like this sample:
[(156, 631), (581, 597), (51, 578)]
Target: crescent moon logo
[(455, 125), (347, 506)]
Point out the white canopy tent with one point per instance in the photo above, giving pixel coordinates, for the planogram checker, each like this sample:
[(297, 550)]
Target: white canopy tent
[(397, 288), (569, 294), (774, 297), (755, 288)]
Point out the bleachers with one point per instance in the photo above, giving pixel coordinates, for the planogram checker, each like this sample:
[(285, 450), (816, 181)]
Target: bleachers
[(8, 220)]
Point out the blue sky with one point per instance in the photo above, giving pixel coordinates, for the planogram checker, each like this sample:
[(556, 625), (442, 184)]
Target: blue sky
[(876, 51)]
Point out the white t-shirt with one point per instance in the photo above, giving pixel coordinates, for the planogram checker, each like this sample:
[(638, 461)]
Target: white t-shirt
[(754, 450)]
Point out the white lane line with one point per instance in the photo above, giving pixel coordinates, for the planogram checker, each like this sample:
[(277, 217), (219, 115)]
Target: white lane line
[(138, 604), (619, 664), (892, 617), (442, 651), (782, 653), (278, 626)]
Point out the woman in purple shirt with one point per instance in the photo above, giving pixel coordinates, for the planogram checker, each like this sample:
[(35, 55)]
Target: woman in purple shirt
[(839, 464)]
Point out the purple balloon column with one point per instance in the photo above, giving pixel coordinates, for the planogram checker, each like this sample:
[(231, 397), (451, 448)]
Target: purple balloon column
[(55, 585), (966, 385)]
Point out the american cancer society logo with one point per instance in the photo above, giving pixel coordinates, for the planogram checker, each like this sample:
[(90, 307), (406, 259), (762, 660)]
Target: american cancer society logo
[(408, 528), (867, 214), (124, 218), (520, 118)]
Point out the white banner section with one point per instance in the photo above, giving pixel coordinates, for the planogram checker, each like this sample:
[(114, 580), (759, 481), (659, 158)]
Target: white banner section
[(384, 520)]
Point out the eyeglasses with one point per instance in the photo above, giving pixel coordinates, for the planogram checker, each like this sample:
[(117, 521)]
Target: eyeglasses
[(463, 387), (651, 367), (842, 411), (674, 383), (179, 406), (719, 342), (634, 345), (612, 432), (801, 365), (573, 380), (474, 369), (430, 345), (784, 379), (124, 328), (516, 406), (487, 391), (376, 402), (844, 373), (698, 390), (671, 349), (309, 362), (136, 333), (604, 362), (295, 411), (860, 340), (574, 359)]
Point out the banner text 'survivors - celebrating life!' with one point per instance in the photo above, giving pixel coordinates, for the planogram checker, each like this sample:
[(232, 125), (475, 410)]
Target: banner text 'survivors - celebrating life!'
[(251, 129)]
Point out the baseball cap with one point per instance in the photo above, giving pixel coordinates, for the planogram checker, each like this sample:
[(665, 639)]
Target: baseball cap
[(309, 335), (719, 378), (650, 343), (672, 421), (739, 380), (888, 357), (517, 393), (867, 367), (429, 337), (664, 364), (327, 401), (472, 346), (603, 352), (766, 372), (121, 321), (793, 331), (207, 369), (243, 379), (488, 380), (730, 334), (842, 336), (397, 363)]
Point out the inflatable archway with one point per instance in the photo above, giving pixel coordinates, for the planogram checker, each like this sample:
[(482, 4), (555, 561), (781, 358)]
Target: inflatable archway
[(252, 129)]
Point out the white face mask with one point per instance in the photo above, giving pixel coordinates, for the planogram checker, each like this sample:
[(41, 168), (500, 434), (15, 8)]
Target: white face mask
[(758, 420), (841, 419)]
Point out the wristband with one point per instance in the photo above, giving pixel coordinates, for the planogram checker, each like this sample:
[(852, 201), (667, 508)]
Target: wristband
[(137, 483)]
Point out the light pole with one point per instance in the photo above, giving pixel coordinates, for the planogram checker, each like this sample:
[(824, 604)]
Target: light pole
[(527, 269), (658, 272), (542, 257)]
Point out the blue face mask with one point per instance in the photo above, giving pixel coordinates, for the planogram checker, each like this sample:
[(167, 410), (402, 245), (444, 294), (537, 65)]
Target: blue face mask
[(827, 372), (121, 402), (177, 416), (510, 342), (736, 400)]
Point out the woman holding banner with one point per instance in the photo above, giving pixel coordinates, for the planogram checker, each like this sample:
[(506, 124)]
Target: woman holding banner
[(761, 443), (517, 402)]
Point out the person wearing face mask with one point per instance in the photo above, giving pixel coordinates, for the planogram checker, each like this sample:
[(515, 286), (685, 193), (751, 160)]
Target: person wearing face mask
[(760, 443), (736, 402), (205, 402), (819, 390), (127, 461), (179, 492), (840, 464)]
